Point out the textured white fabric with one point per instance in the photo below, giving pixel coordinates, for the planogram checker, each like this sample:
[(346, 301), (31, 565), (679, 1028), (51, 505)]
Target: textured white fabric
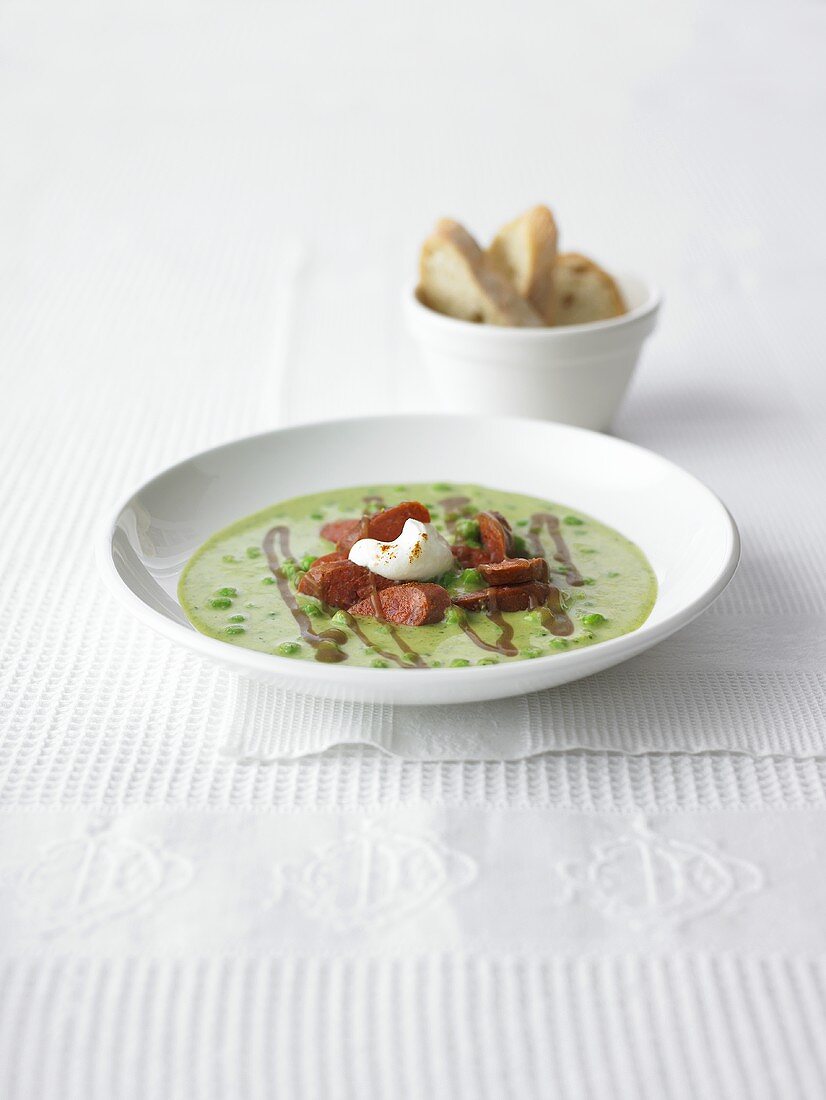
[(614, 890)]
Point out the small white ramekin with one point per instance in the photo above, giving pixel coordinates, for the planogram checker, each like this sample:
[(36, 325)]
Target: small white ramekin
[(575, 374)]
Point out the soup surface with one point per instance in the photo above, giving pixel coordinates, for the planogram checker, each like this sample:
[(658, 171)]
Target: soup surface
[(241, 586)]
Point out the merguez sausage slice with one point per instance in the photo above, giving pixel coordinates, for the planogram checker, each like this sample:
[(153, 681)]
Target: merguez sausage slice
[(515, 571), (513, 597), (469, 557), (340, 530), (407, 604), (339, 583), (497, 537), (385, 526)]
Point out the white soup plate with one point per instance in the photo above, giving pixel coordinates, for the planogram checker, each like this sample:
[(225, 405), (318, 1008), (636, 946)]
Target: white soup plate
[(681, 526)]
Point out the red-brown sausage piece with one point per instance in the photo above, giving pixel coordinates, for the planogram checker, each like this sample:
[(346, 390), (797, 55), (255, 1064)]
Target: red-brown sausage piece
[(515, 571), (469, 557), (513, 597), (339, 583), (408, 604), (497, 537), (335, 556), (340, 530), (385, 526)]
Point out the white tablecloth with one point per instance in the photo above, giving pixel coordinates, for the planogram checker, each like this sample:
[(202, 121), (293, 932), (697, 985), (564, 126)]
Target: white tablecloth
[(206, 216)]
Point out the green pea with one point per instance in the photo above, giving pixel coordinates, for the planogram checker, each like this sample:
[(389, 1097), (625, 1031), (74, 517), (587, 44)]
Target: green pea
[(468, 532), (316, 515), (237, 618), (253, 552), (235, 630), (268, 580), (459, 662), (593, 618), (449, 579), (220, 603), (341, 618), (442, 487), (471, 578), (226, 592), (455, 616), (307, 561), (487, 661), (531, 653), (520, 547), (311, 609), (572, 521), (378, 663), (287, 649)]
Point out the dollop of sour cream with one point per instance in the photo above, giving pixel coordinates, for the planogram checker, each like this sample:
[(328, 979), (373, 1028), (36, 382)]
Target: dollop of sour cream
[(418, 554)]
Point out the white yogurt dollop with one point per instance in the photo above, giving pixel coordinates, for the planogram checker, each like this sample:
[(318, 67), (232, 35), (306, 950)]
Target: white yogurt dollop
[(418, 554)]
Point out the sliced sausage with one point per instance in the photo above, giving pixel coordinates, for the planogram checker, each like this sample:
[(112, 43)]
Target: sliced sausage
[(469, 557), (335, 556), (407, 604), (340, 530), (497, 537), (511, 597), (515, 571), (385, 526), (340, 583)]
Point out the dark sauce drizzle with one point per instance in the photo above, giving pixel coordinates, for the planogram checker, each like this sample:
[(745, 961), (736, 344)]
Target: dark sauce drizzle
[(553, 617), (563, 554), (503, 644), (326, 643)]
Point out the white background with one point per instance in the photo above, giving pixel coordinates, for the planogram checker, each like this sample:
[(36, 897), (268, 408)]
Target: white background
[(206, 217)]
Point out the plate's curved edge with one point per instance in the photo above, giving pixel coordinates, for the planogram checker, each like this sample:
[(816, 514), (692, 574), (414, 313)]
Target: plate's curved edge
[(302, 676)]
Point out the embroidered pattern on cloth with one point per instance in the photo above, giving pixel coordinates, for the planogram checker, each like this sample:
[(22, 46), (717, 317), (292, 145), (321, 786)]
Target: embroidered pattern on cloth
[(375, 876), (646, 880)]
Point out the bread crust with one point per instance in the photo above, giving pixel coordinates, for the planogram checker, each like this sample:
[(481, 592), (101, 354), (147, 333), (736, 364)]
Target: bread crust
[(456, 278), (524, 252), (584, 291)]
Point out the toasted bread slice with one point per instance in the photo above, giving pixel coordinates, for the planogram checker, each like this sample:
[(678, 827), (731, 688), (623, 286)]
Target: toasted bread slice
[(524, 252), (584, 292), (455, 278)]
